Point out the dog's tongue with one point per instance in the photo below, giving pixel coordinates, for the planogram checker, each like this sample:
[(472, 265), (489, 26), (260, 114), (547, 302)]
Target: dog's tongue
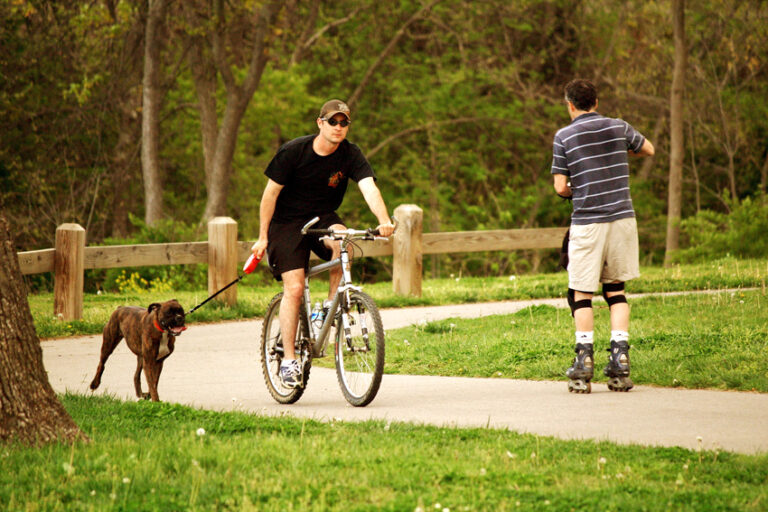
[(178, 330)]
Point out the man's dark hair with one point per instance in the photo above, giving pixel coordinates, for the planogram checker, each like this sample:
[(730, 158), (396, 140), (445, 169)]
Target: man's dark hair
[(582, 93)]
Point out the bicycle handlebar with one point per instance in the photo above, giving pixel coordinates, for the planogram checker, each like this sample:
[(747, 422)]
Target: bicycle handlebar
[(365, 233), (342, 232)]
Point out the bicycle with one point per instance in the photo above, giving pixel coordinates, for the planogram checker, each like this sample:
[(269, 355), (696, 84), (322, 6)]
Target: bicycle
[(358, 331)]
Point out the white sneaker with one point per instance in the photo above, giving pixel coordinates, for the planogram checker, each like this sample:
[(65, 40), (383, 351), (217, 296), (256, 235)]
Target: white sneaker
[(290, 374)]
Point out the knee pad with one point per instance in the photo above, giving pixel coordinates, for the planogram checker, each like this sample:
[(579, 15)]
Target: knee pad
[(574, 304), (614, 299)]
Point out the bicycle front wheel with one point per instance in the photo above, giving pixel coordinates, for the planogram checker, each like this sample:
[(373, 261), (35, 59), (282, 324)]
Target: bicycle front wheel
[(359, 350)]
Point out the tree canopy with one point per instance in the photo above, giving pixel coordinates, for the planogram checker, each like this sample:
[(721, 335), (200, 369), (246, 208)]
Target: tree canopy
[(455, 103)]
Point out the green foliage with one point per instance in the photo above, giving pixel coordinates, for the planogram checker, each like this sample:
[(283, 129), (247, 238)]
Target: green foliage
[(740, 233), (158, 456), (134, 283), (155, 278), (458, 117)]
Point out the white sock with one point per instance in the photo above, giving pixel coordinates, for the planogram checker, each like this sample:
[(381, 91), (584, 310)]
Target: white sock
[(286, 362), (619, 336), (584, 337)]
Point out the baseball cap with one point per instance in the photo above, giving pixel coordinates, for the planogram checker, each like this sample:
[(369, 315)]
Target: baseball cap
[(333, 107)]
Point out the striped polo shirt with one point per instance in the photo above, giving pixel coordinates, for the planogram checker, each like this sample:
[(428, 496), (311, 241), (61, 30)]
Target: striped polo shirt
[(592, 152)]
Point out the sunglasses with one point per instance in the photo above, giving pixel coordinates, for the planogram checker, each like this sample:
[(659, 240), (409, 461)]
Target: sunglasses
[(333, 122)]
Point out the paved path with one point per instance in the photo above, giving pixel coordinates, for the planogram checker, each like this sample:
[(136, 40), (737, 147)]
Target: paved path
[(216, 366)]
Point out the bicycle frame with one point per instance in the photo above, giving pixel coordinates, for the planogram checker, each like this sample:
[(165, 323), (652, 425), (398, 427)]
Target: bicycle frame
[(319, 340)]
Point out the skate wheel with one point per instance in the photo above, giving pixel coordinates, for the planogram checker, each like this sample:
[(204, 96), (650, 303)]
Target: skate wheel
[(620, 385), (579, 386)]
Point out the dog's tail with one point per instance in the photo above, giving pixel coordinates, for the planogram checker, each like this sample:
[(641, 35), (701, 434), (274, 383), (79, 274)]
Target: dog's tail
[(112, 330)]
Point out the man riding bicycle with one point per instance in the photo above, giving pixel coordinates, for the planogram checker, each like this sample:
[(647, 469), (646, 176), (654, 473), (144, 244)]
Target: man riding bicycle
[(308, 178)]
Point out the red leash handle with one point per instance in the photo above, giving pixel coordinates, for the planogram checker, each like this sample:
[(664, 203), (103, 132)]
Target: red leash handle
[(250, 264)]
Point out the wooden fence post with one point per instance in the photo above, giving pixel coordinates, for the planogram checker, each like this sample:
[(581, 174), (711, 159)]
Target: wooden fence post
[(222, 258), (69, 269), (407, 250)]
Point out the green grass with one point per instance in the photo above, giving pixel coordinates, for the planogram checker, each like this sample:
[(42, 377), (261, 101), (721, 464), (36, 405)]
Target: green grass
[(253, 300), (147, 456), (693, 341)]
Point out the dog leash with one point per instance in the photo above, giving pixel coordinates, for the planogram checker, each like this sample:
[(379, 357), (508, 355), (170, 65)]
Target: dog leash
[(250, 266)]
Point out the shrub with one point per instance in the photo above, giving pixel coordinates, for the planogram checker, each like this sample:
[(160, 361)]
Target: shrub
[(714, 235), (156, 278)]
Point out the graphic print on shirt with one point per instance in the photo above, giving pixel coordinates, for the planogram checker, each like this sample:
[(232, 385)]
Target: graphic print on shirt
[(334, 180)]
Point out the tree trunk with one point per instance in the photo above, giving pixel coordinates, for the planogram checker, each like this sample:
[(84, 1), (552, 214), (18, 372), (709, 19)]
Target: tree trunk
[(124, 168), (674, 203), (29, 410), (220, 153), (150, 122), (218, 180), (434, 199)]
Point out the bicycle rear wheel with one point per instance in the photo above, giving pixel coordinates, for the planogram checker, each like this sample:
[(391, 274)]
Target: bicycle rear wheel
[(272, 353), (359, 350)]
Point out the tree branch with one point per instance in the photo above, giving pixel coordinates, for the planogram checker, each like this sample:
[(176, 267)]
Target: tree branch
[(260, 48), (306, 41), (427, 126), (352, 100), (217, 45)]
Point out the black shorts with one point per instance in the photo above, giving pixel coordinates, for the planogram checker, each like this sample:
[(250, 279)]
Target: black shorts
[(288, 249)]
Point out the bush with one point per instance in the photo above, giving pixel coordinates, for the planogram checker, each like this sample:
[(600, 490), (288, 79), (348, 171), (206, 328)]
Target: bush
[(157, 278), (741, 233)]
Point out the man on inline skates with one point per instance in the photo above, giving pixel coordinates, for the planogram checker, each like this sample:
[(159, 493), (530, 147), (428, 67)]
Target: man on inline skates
[(308, 178), (590, 165)]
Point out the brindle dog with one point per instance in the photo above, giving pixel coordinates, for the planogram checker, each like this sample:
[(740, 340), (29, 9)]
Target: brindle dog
[(150, 334)]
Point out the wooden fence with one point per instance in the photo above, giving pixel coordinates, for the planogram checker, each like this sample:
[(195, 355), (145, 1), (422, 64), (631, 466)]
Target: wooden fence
[(223, 253)]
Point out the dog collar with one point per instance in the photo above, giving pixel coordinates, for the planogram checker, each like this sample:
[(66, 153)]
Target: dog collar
[(159, 328)]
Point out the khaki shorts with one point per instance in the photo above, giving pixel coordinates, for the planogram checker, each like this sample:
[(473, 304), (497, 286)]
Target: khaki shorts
[(602, 253)]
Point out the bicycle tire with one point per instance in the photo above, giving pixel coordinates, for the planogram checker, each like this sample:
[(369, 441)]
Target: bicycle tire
[(360, 362), (271, 358)]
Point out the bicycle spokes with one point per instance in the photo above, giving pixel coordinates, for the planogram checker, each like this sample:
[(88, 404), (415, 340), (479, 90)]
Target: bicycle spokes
[(360, 355)]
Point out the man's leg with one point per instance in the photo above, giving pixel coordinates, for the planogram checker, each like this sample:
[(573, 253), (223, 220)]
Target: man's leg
[(334, 275), (293, 288), (583, 317), (617, 303), (581, 372), (618, 368), (585, 250)]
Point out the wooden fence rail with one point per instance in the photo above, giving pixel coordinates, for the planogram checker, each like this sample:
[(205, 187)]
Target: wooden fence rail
[(224, 253)]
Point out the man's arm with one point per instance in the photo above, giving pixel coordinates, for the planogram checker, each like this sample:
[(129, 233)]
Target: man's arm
[(266, 211), (561, 186), (646, 149), (375, 202)]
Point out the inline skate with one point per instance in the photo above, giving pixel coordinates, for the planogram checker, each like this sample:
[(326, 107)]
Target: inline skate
[(618, 369), (582, 371)]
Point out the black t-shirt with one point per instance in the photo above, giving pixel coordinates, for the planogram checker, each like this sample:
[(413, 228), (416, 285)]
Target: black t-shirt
[(314, 184)]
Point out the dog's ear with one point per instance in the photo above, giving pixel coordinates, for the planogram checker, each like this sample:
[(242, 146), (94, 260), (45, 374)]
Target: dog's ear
[(153, 306)]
